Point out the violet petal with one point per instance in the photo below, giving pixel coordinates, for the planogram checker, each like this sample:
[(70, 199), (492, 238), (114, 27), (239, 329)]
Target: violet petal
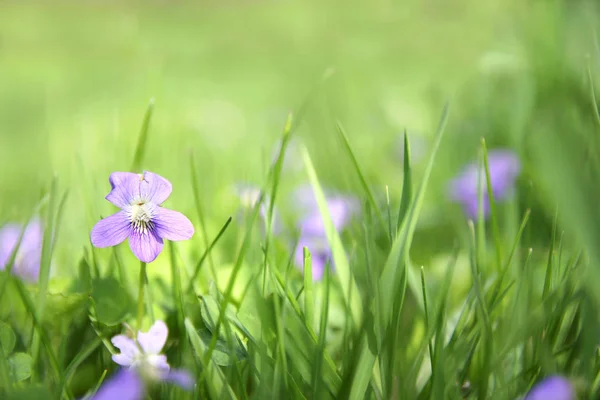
[(154, 340), (128, 348), (124, 385), (125, 187), (552, 388), (155, 188), (111, 231), (172, 225), (145, 246), (181, 378), (9, 236)]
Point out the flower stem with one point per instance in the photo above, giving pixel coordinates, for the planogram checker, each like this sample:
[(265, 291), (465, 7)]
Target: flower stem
[(140, 311)]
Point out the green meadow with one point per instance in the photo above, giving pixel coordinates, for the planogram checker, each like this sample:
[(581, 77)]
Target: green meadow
[(383, 102)]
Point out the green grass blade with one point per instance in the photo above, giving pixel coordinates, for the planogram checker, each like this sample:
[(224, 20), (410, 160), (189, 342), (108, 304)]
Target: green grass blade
[(320, 349), (190, 287), (406, 184), (218, 387), (308, 290), (361, 176), (340, 259), (202, 219), (389, 281), (177, 290), (493, 210), (140, 149)]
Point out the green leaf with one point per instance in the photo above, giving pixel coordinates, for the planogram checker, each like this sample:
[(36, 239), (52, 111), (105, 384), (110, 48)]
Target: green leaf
[(222, 353), (7, 338), (113, 303), (20, 366)]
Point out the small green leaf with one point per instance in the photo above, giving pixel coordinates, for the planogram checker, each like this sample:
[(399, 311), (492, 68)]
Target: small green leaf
[(20, 366), (7, 338), (113, 303)]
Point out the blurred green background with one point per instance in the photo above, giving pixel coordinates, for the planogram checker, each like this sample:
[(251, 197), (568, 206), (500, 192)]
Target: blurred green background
[(76, 78)]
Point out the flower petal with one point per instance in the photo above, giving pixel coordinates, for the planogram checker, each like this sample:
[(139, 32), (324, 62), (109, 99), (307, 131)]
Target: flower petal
[(111, 231), (554, 387), (125, 187), (172, 225), (159, 364), (124, 385), (145, 246), (155, 188), (129, 350), (9, 236), (504, 168), (27, 261), (340, 211), (181, 378), (154, 340)]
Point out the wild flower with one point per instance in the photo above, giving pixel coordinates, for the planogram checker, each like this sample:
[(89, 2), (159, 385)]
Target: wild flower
[(504, 167), (29, 254), (142, 219)]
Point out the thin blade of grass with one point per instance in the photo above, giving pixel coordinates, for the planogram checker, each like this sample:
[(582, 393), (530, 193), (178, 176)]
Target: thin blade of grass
[(308, 289), (406, 184), (361, 176), (205, 255), (320, 349), (339, 255), (202, 219), (493, 210), (389, 281), (216, 383), (140, 149)]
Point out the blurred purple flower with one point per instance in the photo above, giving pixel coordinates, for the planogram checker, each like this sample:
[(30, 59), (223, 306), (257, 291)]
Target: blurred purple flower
[(320, 253), (141, 219), (341, 210), (124, 385), (29, 254), (504, 169), (552, 388), (312, 228), (143, 355)]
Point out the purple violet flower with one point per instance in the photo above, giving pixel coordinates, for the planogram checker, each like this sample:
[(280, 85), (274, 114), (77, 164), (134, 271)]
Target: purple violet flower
[(141, 219), (320, 254), (143, 355), (312, 228), (504, 168), (29, 254), (552, 388), (341, 210), (124, 385)]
